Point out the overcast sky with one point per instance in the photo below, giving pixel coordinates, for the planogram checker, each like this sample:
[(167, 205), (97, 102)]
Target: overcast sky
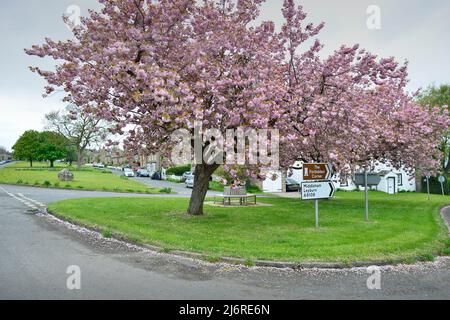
[(416, 30)]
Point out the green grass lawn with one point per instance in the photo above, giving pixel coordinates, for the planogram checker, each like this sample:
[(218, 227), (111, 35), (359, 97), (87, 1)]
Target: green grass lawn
[(84, 179), (404, 226)]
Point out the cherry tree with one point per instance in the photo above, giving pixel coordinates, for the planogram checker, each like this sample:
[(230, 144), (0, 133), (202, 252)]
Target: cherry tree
[(153, 68)]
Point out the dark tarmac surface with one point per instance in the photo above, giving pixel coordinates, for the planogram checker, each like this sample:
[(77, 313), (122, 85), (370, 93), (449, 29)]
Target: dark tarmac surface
[(36, 251)]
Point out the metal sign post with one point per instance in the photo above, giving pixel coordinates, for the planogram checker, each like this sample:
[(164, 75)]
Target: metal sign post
[(317, 190), (317, 212), (317, 184), (366, 194), (365, 180)]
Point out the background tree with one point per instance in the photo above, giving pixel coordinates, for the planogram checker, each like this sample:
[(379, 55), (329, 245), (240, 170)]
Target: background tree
[(170, 64), (52, 147), (27, 146), (439, 96), (71, 155), (80, 128)]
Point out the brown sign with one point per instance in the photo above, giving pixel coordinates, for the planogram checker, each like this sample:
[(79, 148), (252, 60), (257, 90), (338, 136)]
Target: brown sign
[(317, 171)]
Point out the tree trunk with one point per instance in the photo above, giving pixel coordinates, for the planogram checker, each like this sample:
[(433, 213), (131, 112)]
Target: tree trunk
[(51, 163), (31, 163), (201, 183), (79, 158)]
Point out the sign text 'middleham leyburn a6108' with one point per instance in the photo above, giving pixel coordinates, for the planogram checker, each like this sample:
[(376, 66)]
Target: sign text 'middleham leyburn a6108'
[(317, 190)]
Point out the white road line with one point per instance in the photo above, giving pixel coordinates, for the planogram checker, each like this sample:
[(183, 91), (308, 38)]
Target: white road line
[(26, 201), (31, 200)]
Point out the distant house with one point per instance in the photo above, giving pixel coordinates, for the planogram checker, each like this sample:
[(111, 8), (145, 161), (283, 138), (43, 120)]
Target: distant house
[(5, 155), (392, 180), (118, 157)]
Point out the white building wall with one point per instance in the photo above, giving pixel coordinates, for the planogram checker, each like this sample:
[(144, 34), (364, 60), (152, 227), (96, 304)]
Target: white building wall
[(270, 185), (404, 181)]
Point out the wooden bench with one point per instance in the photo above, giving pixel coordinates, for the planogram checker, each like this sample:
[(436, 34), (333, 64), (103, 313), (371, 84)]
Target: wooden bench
[(243, 198)]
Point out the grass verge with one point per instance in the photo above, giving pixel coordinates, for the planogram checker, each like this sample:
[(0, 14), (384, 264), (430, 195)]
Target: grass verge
[(403, 227), (84, 179)]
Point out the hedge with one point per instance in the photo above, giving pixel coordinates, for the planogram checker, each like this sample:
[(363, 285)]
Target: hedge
[(178, 171), (435, 185)]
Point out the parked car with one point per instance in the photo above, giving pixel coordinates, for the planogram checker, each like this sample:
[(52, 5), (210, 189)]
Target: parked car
[(292, 185), (128, 173), (143, 173), (156, 176), (185, 175), (126, 167), (189, 182), (2, 163), (193, 174)]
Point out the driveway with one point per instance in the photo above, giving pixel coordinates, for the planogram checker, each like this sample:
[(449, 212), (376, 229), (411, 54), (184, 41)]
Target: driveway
[(36, 251)]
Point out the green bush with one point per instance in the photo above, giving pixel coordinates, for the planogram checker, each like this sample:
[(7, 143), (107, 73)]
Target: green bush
[(178, 171), (166, 190), (20, 181), (174, 180), (46, 183)]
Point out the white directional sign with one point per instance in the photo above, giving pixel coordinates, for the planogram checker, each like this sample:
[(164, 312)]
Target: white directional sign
[(317, 190)]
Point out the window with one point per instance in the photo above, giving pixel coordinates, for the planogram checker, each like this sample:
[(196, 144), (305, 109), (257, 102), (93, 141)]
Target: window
[(399, 179), (344, 180)]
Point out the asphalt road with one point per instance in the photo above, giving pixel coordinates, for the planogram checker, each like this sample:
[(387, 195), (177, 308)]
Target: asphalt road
[(178, 188), (36, 250)]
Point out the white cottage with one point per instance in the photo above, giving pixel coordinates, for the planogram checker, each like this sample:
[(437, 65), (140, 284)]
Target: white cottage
[(392, 180)]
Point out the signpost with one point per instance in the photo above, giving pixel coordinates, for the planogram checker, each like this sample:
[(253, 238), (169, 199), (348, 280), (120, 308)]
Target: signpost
[(317, 171), (428, 185), (317, 190), (441, 179), (367, 179), (373, 179), (317, 184)]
